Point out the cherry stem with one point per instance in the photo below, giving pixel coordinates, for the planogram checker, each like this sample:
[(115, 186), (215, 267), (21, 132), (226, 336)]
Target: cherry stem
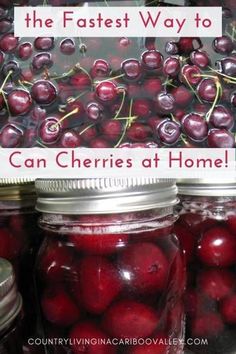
[(218, 94), (3, 93), (127, 124), (85, 129), (121, 105), (192, 89), (224, 75), (73, 99), (109, 79), (41, 144), (71, 72), (54, 126)]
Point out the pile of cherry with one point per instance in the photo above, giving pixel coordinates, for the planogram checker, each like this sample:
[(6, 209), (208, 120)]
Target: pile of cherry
[(210, 248), (117, 92), (112, 287)]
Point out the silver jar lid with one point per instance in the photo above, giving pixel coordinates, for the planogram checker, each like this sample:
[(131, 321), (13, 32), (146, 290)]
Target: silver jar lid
[(17, 189), (206, 187), (10, 299), (104, 195)]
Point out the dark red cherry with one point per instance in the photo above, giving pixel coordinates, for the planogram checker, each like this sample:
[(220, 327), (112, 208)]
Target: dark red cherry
[(182, 95), (43, 92), (171, 48), (2, 57), (169, 132), (111, 129), (38, 114), (207, 90), (223, 45), (106, 91), (130, 319), (25, 50), (80, 81), (228, 309), (207, 325), (132, 69), (99, 143), (50, 130), (42, 61), (138, 132), (12, 66), (217, 247), (195, 126), (123, 44), (8, 43), (187, 44), (44, 43), (100, 68), (228, 66), (216, 283), (152, 59), (233, 99), (19, 102), (89, 132), (220, 138), (5, 25), (165, 103), (150, 87), (70, 139), (67, 46), (95, 111), (200, 58), (190, 74), (10, 136), (222, 117), (141, 107), (171, 66)]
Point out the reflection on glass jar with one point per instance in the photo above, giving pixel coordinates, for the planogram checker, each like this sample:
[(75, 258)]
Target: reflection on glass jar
[(207, 232), (110, 272)]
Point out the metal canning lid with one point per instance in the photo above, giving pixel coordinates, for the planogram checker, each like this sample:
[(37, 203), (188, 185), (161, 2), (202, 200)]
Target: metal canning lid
[(17, 188), (206, 187), (104, 195), (10, 299)]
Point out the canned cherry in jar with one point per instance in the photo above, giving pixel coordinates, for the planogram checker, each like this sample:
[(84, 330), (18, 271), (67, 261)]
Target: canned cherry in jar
[(206, 229), (20, 238), (110, 272)]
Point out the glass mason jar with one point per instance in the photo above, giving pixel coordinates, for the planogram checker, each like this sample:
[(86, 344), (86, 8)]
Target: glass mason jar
[(207, 232), (11, 341), (110, 273), (20, 238)]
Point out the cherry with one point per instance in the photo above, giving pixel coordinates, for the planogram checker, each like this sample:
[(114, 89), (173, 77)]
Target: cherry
[(123, 44), (152, 60), (38, 114), (207, 325), (25, 50), (42, 61), (220, 138), (55, 261), (102, 277), (43, 92), (10, 136), (231, 223), (171, 48), (2, 57), (187, 241), (99, 244), (216, 283), (44, 43), (200, 58), (217, 247), (67, 46), (80, 81), (130, 319), (58, 308), (150, 87), (228, 309), (95, 111), (70, 139), (223, 45), (190, 74), (186, 45), (165, 103), (222, 117), (106, 91), (207, 90), (183, 97), (87, 332), (100, 69), (138, 132), (195, 126), (5, 25), (111, 129), (169, 132), (227, 66), (50, 130), (233, 99), (8, 43), (141, 107), (132, 69), (144, 267), (171, 66), (13, 67), (8, 244), (19, 102)]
